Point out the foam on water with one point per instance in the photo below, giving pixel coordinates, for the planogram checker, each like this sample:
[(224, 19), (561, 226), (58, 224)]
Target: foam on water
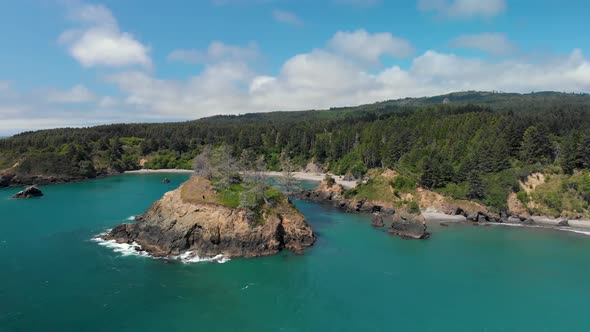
[(132, 218), (134, 249), (564, 229)]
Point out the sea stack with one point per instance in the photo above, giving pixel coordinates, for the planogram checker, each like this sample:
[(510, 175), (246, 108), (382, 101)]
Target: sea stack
[(408, 226), (194, 218), (29, 192)]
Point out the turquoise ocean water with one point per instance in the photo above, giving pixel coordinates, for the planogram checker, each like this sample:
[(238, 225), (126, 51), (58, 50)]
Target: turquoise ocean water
[(356, 278)]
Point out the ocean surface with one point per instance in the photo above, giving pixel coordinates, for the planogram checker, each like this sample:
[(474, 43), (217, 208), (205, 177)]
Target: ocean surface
[(53, 277)]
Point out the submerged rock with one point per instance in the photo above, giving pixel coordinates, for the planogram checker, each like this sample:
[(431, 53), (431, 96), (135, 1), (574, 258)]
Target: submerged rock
[(174, 225), (29, 192), (166, 180), (408, 226)]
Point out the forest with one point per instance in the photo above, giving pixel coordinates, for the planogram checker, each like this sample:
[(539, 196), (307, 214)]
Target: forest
[(474, 145)]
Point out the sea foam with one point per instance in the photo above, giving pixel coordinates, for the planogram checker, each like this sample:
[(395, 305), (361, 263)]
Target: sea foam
[(134, 249), (563, 229)]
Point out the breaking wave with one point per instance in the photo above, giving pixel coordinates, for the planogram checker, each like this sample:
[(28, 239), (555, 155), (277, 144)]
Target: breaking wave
[(134, 249)]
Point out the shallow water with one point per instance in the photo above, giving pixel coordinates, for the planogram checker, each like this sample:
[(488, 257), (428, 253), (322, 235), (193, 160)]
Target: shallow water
[(356, 278)]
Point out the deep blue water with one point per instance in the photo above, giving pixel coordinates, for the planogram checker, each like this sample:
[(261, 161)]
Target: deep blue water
[(356, 278)]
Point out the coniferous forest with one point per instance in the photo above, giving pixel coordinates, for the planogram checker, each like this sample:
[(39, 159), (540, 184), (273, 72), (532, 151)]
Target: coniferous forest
[(472, 145)]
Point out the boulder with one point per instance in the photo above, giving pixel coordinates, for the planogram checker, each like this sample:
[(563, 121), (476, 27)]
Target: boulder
[(529, 221), (457, 211), (408, 226), (563, 222), (29, 192), (377, 220), (349, 177), (513, 220), (166, 180)]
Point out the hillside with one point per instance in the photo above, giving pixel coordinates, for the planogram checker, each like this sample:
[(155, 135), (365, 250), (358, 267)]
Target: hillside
[(469, 145)]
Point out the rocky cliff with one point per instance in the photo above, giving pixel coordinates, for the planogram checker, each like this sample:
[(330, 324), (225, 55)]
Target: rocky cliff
[(175, 225)]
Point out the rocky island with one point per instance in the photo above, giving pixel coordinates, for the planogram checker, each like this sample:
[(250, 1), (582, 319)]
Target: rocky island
[(199, 219), (29, 192)]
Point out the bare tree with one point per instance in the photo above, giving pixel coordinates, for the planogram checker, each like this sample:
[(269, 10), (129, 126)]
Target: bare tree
[(202, 163), (288, 168)]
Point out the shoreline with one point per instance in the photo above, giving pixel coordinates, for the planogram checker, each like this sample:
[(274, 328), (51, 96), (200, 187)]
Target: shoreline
[(316, 177), (159, 171)]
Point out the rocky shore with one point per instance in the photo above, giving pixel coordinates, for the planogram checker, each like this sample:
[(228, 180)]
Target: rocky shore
[(399, 222), (174, 225), (11, 179), (434, 209)]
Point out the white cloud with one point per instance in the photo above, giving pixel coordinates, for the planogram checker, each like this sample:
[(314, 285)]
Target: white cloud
[(318, 79), (286, 17), (77, 94), (369, 47), (464, 8), (100, 42), (493, 43), (217, 52)]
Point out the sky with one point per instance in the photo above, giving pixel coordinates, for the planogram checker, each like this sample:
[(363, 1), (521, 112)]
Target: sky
[(71, 63)]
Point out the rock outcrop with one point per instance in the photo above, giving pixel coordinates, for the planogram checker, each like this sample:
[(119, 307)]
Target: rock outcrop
[(334, 194), (408, 226), (29, 192), (377, 220), (174, 226)]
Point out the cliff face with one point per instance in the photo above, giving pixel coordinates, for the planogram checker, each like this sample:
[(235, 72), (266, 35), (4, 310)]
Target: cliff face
[(173, 226)]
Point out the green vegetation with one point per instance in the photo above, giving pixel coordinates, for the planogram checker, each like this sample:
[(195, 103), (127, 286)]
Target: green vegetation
[(476, 147)]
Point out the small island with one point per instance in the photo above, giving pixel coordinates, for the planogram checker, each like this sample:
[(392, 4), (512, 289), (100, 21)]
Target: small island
[(217, 212)]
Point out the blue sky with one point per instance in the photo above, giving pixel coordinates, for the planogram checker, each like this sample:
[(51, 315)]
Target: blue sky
[(75, 63)]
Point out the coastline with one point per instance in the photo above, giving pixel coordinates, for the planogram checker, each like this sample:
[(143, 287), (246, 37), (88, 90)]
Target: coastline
[(318, 177), (160, 171)]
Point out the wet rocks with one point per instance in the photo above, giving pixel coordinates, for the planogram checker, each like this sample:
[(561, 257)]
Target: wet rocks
[(173, 226), (408, 226), (29, 192), (563, 222), (377, 220), (529, 221)]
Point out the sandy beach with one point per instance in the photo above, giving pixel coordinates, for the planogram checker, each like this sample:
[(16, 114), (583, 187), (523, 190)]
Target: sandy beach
[(315, 177), (298, 175)]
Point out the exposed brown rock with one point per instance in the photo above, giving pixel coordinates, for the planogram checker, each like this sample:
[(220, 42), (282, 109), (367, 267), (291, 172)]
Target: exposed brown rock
[(408, 226), (174, 225), (377, 220)]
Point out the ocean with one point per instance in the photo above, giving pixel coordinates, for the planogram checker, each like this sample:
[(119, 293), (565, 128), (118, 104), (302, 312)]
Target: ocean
[(54, 277)]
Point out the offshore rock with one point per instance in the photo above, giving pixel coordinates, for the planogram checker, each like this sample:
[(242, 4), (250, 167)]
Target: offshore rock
[(173, 226), (408, 226), (29, 192)]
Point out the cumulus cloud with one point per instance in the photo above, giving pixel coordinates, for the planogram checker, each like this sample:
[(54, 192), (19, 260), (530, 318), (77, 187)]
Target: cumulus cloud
[(493, 43), (286, 17), (369, 47), (217, 52), (100, 42), (320, 78), (323, 78), (463, 8)]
